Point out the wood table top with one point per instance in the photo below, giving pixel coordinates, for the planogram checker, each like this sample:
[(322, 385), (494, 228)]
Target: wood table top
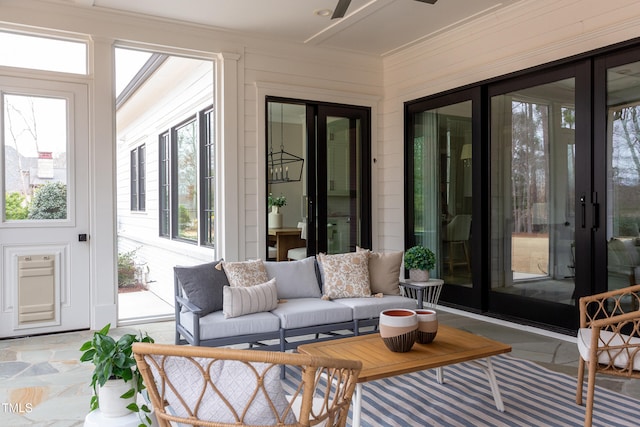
[(450, 346)]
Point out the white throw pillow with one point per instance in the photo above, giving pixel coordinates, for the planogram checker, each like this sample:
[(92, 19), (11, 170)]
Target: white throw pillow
[(238, 301)]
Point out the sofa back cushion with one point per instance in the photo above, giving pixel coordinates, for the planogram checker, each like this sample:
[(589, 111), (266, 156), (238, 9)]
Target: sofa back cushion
[(295, 279), (202, 285)]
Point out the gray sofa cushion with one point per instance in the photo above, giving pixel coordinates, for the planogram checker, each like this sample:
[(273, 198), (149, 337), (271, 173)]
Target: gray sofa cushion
[(295, 279), (369, 308), (202, 285), (214, 325), (303, 312)]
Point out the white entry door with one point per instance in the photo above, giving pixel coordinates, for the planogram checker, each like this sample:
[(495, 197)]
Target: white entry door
[(44, 241)]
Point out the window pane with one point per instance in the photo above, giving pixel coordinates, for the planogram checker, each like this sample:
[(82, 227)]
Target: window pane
[(623, 173), (187, 181), (35, 157), (141, 178), (134, 180), (164, 185), (208, 179), (533, 186), (41, 53), (442, 188)]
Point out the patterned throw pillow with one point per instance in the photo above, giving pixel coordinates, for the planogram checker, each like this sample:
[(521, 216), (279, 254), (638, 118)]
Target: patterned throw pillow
[(345, 275), (245, 273), (241, 300)]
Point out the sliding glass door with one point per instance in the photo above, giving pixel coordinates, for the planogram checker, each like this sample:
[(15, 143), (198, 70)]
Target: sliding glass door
[(533, 194), (318, 159)]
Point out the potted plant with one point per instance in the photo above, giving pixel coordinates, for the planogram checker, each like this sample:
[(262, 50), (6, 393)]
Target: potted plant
[(116, 380), (275, 216), (419, 260)]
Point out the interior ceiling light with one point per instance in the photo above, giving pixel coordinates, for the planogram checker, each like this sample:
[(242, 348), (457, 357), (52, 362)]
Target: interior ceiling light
[(322, 12)]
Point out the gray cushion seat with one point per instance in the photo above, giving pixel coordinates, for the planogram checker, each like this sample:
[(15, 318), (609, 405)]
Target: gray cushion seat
[(214, 325), (370, 308), (305, 312)]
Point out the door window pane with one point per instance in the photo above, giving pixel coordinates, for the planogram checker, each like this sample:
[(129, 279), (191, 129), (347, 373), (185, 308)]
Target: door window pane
[(442, 193), (623, 172), (533, 182), (35, 158)]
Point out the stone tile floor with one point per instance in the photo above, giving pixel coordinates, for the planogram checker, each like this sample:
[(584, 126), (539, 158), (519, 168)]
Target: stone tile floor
[(42, 382)]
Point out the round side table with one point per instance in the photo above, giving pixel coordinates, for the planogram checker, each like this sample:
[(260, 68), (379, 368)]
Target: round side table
[(426, 293), (96, 419)]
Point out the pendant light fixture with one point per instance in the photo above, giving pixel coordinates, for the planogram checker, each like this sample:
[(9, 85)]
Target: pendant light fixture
[(282, 166)]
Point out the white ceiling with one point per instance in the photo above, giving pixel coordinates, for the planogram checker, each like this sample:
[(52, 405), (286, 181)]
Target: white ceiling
[(376, 27)]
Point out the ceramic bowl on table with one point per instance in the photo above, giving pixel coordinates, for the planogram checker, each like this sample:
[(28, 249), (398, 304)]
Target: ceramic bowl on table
[(398, 329), (427, 325)]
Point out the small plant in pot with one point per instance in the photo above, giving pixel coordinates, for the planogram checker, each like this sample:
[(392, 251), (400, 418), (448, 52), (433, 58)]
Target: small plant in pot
[(419, 260), (115, 372)]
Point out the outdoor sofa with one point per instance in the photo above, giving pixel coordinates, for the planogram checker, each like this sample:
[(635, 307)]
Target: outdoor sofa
[(280, 305)]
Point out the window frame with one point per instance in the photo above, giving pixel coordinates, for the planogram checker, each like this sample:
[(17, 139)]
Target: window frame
[(168, 200), (138, 179)]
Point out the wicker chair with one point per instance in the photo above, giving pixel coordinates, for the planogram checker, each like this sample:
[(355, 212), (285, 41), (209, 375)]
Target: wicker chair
[(220, 387), (608, 339)]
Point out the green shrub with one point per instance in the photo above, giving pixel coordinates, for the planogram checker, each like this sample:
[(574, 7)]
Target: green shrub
[(419, 258), (49, 202), (127, 268), (15, 206)]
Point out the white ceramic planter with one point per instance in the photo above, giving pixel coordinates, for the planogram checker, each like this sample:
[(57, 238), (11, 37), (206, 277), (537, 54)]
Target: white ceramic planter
[(398, 328), (419, 275), (275, 217), (110, 402)]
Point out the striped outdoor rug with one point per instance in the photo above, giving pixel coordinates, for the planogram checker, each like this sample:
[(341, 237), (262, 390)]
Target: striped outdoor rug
[(532, 396)]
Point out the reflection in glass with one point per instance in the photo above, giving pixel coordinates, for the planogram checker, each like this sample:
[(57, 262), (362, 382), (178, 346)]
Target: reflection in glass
[(623, 173), (443, 188), (35, 158), (533, 186), (187, 176)]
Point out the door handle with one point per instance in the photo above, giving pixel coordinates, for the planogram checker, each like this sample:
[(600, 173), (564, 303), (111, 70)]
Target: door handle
[(583, 210), (596, 212)]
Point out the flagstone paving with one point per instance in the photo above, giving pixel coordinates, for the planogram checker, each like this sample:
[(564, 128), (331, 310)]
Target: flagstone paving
[(43, 383)]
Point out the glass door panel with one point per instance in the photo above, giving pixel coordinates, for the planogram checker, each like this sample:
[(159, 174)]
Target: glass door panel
[(533, 192), (442, 189), (623, 176), (342, 180)]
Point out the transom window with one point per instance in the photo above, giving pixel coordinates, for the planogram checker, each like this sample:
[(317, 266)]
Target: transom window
[(43, 53)]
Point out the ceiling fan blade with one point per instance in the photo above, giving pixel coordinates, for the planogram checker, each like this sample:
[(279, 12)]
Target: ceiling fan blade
[(428, 1), (341, 9)]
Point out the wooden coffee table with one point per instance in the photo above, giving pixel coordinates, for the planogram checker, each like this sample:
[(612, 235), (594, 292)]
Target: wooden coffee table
[(451, 346)]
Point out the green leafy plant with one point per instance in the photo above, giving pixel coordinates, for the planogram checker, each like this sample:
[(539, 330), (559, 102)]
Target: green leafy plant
[(114, 360), (16, 206), (49, 202), (419, 258), (279, 201), (127, 268)]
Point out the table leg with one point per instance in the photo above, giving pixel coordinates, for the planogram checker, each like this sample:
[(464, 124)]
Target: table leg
[(420, 295), (440, 375), (357, 405), (493, 383)]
